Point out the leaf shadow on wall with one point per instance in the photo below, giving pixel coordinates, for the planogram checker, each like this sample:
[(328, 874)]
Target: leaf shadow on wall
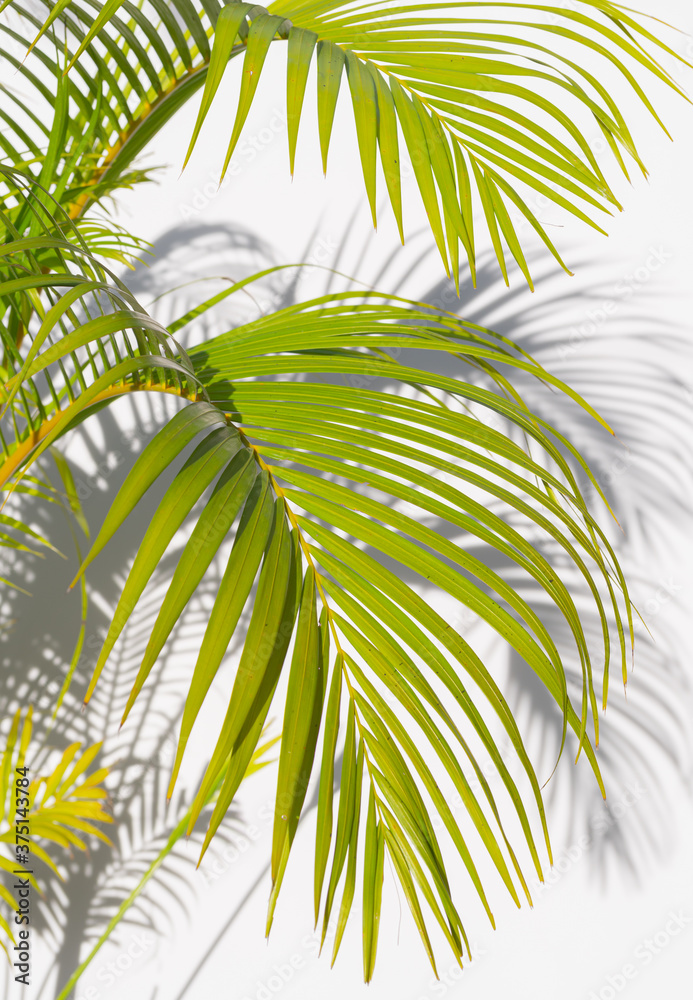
[(644, 399), (35, 650)]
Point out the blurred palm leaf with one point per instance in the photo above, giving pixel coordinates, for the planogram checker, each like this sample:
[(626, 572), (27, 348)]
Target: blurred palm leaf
[(257, 763), (62, 806)]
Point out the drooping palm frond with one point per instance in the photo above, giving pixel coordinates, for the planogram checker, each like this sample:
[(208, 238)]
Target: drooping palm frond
[(318, 483), (488, 107), (60, 807), (72, 334), (312, 437)]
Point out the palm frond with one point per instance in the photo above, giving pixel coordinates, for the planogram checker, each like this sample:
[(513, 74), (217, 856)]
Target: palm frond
[(488, 107), (72, 334), (325, 486)]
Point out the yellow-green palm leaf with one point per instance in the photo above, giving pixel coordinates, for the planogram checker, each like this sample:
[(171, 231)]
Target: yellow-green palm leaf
[(491, 102), (325, 463), (61, 807)]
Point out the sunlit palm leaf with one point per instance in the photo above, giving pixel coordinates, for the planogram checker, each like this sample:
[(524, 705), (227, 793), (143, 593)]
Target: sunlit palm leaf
[(488, 108), (72, 334), (317, 481)]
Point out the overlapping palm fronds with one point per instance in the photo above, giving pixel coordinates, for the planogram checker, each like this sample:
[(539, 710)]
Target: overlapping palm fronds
[(309, 477), (313, 438), (73, 335), (487, 108)]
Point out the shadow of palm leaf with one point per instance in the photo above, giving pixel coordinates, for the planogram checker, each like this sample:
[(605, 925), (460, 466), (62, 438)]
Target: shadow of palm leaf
[(34, 662), (627, 362), (648, 494), (610, 343)]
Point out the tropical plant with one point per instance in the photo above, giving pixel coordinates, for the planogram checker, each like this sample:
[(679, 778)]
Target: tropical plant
[(319, 444), (59, 807)]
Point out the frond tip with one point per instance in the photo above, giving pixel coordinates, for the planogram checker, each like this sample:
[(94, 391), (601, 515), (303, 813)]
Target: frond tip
[(488, 108)]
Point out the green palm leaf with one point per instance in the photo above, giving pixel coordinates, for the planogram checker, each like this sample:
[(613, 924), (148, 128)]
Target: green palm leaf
[(309, 477), (488, 108), (346, 474), (72, 334)]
